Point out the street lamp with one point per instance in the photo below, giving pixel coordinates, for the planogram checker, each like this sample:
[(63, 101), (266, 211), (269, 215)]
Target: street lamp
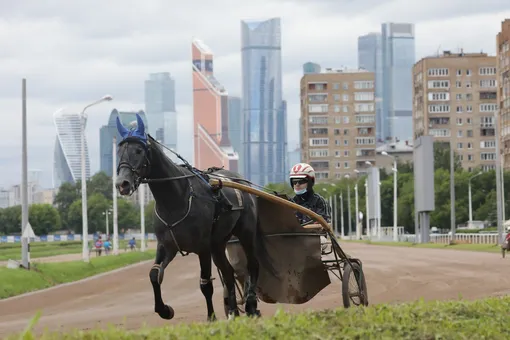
[(358, 227), (395, 197), (106, 213), (85, 231), (366, 204), (470, 202), (349, 204)]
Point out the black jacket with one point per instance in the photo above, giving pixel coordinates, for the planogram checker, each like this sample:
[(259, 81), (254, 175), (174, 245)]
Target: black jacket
[(314, 202)]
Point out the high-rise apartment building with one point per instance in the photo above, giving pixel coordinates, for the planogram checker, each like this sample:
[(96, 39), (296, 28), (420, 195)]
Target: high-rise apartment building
[(210, 114), (503, 91), (454, 100), (338, 122), (264, 128), (370, 59)]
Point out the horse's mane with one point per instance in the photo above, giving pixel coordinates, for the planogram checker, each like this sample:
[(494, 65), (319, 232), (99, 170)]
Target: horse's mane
[(167, 164)]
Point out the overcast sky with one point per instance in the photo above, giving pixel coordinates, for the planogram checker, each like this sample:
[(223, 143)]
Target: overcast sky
[(74, 52)]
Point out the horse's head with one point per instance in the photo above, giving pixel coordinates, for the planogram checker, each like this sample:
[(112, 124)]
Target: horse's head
[(133, 157)]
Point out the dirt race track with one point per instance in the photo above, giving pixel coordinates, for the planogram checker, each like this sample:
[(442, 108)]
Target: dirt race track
[(394, 274)]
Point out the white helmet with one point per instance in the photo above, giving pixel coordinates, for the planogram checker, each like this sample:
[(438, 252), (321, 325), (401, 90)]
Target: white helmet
[(302, 170), (508, 228)]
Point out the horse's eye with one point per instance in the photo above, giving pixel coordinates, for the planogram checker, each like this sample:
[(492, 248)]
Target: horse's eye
[(138, 151)]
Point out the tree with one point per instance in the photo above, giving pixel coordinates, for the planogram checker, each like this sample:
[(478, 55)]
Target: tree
[(96, 205), (67, 194), (129, 214), (442, 157), (11, 216), (44, 218), (101, 184), (149, 216)]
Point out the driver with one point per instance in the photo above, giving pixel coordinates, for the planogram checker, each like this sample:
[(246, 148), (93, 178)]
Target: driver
[(302, 180)]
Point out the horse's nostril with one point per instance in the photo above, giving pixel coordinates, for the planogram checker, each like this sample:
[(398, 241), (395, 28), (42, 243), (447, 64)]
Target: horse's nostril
[(125, 184)]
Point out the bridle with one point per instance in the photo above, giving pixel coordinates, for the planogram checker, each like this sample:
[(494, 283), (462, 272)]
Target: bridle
[(138, 174)]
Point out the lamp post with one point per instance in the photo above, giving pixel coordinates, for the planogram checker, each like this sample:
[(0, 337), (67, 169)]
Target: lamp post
[(85, 231), (141, 192), (395, 197), (358, 227), (349, 204), (342, 230), (367, 218), (106, 213), (470, 202)]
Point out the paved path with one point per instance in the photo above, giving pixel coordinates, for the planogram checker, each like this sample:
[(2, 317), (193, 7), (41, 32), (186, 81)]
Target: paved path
[(394, 274)]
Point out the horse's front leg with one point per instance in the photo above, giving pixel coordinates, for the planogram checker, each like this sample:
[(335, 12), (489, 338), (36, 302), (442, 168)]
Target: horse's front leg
[(156, 274), (206, 285)]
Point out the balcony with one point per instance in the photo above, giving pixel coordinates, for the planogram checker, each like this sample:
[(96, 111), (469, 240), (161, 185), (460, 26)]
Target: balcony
[(365, 153), (319, 86), (439, 121), (320, 165), (318, 98), (318, 131), (486, 95), (487, 131), (366, 131)]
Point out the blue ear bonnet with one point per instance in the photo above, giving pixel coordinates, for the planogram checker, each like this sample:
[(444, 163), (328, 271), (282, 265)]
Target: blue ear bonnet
[(138, 133)]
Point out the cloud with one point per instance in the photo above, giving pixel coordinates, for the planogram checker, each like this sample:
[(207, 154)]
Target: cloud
[(73, 52)]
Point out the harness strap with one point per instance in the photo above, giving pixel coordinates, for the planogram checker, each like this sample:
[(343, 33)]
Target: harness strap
[(173, 225)]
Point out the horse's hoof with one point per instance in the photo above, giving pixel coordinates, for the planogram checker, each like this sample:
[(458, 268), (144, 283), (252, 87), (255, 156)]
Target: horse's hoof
[(211, 318), (167, 313), (232, 314)]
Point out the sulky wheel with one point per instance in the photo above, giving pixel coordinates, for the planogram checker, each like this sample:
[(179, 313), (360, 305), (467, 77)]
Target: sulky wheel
[(351, 290), (239, 291)]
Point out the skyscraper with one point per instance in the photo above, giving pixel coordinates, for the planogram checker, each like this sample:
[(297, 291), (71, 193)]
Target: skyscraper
[(264, 111), (67, 152), (160, 108), (234, 125), (210, 114), (398, 58), (310, 67), (391, 56), (106, 133)]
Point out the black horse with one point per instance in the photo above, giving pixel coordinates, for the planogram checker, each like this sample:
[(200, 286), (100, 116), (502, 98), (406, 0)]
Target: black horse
[(191, 217)]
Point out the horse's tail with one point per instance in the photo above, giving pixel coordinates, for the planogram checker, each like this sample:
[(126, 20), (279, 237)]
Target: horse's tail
[(262, 253)]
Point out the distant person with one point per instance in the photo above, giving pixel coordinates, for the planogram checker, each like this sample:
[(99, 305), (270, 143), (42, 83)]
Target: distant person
[(132, 244), (99, 246), (107, 246)]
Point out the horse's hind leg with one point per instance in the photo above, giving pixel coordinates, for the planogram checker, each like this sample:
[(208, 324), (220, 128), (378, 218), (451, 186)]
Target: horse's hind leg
[(156, 274), (221, 261), (206, 285), (247, 239)]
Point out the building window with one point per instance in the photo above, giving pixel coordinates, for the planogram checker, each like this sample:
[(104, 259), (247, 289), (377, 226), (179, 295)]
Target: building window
[(365, 84), (487, 71), (438, 72), (319, 141)]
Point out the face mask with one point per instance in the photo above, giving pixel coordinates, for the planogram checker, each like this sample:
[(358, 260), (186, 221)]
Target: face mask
[(300, 192)]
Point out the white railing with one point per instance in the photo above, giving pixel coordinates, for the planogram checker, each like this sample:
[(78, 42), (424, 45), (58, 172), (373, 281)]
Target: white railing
[(487, 238)]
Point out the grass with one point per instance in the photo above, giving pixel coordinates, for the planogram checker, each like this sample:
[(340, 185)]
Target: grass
[(44, 249), (44, 275), (481, 319), (491, 248)]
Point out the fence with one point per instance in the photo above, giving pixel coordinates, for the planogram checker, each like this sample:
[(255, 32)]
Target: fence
[(74, 237)]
